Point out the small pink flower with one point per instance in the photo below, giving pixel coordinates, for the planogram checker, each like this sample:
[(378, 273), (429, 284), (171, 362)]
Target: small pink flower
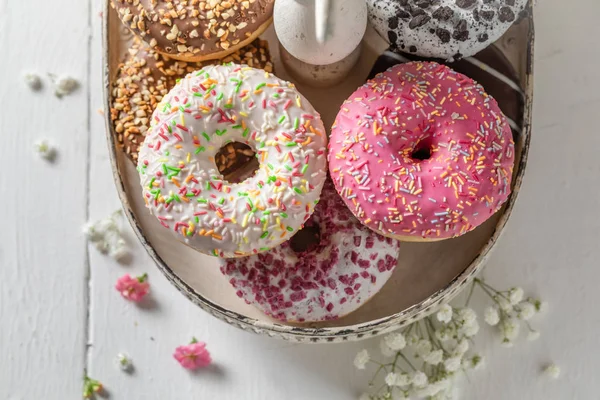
[(133, 289), (193, 356)]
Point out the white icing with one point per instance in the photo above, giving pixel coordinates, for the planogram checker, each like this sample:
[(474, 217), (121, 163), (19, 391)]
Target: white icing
[(218, 217)]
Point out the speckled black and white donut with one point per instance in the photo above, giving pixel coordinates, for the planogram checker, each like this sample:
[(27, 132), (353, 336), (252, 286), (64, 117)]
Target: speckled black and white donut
[(344, 266), (447, 29)]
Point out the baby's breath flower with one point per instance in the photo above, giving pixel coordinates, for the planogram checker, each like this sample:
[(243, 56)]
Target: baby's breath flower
[(106, 236), (390, 379), (419, 379), (361, 359), (385, 349), (509, 328), (395, 379), (515, 295), (395, 341), (491, 316), (64, 85), (453, 363), (540, 306), (444, 333), (533, 335), (119, 250), (461, 347), (434, 388), (471, 329), (466, 316), (526, 311), (434, 358), (33, 80), (474, 362), (423, 347), (552, 371), (444, 314), (503, 303)]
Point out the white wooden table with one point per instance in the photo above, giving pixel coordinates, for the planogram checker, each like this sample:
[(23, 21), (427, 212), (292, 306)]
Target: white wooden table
[(60, 314)]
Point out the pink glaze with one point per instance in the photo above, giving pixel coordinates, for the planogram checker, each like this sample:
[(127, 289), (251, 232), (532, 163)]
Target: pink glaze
[(401, 114), (347, 266)]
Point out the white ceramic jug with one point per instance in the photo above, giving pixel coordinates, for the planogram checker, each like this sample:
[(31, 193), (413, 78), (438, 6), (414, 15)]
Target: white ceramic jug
[(320, 39)]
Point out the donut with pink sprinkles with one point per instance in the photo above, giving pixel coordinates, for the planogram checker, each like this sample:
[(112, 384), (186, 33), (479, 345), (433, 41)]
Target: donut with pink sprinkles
[(327, 270), (421, 153)]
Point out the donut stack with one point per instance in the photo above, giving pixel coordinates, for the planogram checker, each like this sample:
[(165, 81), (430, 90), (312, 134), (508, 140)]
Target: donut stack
[(234, 161)]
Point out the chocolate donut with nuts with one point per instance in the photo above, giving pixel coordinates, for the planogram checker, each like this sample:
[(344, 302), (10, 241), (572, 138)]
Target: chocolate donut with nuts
[(145, 76), (195, 30), (446, 29)]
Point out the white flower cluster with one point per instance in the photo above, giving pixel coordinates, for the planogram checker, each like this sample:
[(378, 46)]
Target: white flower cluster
[(105, 234), (437, 345), (509, 311), (427, 355)]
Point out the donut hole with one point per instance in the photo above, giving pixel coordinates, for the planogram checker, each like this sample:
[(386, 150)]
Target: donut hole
[(422, 151), (236, 162), (305, 239)]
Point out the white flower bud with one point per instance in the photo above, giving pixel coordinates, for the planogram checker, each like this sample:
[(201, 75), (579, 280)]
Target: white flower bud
[(515, 295), (552, 371), (462, 347), (361, 359), (395, 341), (33, 80), (453, 363), (64, 85), (385, 349), (527, 310), (491, 316), (444, 314), (434, 358), (419, 379)]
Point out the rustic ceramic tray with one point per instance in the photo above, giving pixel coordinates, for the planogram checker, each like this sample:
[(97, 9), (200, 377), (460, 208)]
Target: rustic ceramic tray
[(427, 275)]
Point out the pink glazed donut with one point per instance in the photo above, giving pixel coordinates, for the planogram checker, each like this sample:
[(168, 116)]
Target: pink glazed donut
[(343, 268), (421, 153)]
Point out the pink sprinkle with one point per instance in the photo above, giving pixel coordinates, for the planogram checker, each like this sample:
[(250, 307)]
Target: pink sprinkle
[(287, 104)]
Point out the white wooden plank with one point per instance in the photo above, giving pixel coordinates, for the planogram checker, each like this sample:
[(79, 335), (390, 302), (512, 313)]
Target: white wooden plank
[(43, 278)]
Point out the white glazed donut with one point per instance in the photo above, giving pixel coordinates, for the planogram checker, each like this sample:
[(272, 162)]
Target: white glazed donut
[(182, 186), (346, 266), (448, 29)]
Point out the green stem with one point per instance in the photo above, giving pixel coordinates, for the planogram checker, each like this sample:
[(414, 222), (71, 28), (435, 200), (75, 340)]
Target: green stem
[(471, 292), (407, 361)]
